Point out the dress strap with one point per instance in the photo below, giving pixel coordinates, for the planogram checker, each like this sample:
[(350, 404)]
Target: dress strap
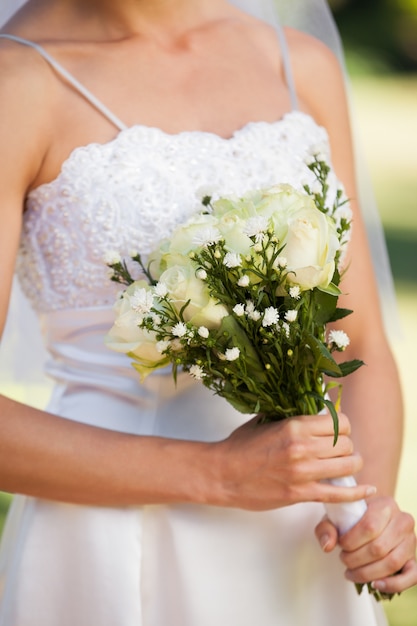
[(71, 80), (289, 76)]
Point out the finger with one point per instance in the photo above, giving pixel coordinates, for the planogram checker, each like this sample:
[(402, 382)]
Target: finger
[(322, 425), (324, 447), (384, 568), (370, 527), (388, 536), (404, 580), (326, 534), (323, 469), (321, 492)]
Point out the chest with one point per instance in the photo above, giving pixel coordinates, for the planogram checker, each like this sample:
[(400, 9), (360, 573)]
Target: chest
[(132, 192)]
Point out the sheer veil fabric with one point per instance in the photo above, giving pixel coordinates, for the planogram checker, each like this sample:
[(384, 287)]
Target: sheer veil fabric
[(22, 335)]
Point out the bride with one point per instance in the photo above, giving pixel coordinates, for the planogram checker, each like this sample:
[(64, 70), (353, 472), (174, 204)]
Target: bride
[(153, 505)]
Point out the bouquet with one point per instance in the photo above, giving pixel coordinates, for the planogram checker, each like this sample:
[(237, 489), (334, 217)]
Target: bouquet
[(240, 298)]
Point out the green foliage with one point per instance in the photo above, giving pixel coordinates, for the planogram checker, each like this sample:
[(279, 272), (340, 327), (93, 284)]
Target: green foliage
[(383, 32)]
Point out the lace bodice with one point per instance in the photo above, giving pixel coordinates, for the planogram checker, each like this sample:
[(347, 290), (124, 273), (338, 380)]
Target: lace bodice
[(131, 192)]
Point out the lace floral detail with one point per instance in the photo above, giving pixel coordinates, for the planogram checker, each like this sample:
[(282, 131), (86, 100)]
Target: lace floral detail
[(134, 190)]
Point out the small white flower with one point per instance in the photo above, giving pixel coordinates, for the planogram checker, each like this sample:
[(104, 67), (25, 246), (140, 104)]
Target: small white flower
[(295, 292), (244, 281), (203, 332), (339, 338), (256, 226), (201, 274), (239, 310), (141, 301), (316, 188), (156, 319), (232, 354), (232, 259), (160, 290), (197, 372), (207, 236), (205, 191), (286, 328), (161, 346), (321, 156), (271, 316), (250, 307), (291, 315), (112, 257), (179, 330), (309, 160), (258, 247), (133, 253), (282, 261), (254, 315)]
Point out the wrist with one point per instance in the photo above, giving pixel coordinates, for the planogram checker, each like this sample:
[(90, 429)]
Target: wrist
[(188, 472)]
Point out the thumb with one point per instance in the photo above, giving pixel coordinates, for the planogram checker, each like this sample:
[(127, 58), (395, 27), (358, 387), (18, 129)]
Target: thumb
[(326, 534)]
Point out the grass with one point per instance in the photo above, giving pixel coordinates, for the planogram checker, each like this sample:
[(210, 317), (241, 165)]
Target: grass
[(388, 124)]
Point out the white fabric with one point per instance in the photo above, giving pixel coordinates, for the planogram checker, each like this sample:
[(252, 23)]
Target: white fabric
[(154, 565), (92, 207)]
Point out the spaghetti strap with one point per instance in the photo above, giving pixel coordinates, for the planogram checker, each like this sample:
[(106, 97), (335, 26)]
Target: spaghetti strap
[(71, 80), (289, 76)]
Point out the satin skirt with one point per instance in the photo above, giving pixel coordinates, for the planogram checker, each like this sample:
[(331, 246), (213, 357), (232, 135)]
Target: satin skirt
[(184, 565)]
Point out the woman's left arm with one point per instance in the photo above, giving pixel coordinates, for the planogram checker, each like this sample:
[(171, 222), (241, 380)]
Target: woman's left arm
[(383, 542)]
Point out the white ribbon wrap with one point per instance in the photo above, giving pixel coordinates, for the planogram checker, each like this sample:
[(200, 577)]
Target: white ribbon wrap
[(345, 514)]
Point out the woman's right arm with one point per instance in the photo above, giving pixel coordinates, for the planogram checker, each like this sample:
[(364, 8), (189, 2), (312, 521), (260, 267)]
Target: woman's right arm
[(257, 467)]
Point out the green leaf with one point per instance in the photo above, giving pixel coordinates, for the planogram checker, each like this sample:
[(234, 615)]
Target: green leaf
[(332, 410), (324, 360), (348, 367), (331, 289), (232, 334), (335, 419), (339, 314), (325, 306)]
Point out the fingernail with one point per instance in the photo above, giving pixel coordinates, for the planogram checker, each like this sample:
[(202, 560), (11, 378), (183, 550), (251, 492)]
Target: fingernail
[(324, 541), (371, 491), (380, 585)]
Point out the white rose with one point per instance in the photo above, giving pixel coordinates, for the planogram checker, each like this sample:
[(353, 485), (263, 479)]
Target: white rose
[(128, 337), (310, 247), (231, 225), (184, 286), (182, 240), (308, 235)]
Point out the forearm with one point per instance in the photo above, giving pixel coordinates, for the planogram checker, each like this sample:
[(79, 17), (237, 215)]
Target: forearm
[(53, 458), (255, 468), (372, 400)]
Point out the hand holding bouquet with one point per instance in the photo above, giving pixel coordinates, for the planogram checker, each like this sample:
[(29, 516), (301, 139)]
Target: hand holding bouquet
[(240, 298)]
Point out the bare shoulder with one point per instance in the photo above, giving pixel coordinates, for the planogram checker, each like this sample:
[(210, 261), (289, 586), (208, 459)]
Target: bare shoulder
[(25, 87), (310, 54), (318, 74)]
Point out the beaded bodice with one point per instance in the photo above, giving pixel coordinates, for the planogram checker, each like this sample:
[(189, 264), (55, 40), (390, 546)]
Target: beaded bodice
[(131, 192)]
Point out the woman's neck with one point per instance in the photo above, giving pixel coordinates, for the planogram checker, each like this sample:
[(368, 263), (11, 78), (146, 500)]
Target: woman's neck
[(161, 20)]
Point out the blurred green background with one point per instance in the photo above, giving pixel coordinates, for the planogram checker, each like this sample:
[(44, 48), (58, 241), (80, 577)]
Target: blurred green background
[(380, 38)]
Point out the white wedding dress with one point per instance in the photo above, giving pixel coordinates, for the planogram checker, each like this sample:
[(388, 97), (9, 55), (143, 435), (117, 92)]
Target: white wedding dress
[(184, 565)]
